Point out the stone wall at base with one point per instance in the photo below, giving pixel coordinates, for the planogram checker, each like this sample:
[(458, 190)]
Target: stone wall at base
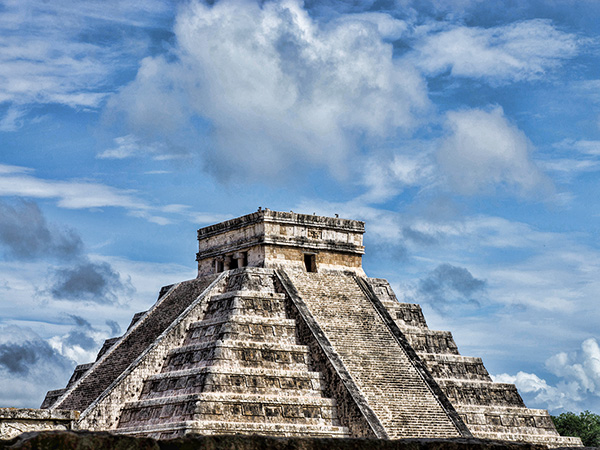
[(14, 421), (107, 441)]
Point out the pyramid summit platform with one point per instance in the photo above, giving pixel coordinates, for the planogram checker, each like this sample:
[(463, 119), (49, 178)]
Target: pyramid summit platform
[(283, 334)]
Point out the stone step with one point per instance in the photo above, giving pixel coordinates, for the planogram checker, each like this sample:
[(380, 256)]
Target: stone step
[(382, 371), (251, 279), (238, 353), (272, 429), (235, 380), (248, 294), (475, 392), (231, 408), (246, 303), (79, 371), (178, 429), (431, 341), (52, 397), (550, 441), (407, 314), (507, 416), (530, 431), (455, 367), (246, 327)]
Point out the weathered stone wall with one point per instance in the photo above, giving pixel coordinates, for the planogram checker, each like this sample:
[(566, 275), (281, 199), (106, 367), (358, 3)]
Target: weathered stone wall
[(14, 421), (106, 441), (272, 239), (326, 261)]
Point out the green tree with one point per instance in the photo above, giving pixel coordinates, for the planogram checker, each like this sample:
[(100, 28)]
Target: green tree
[(586, 425)]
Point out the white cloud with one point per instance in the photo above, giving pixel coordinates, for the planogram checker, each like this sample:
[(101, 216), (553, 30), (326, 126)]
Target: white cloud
[(29, 367), (54, 52), (130, 146), (563, 397), (484, 151), (583, 367), (387, 26), (570, 167), (276, 89), (586, 147), (6, 169), (518, 51), (12, 120), (70, 194), (20, 182), (579, 378), (387, 176)]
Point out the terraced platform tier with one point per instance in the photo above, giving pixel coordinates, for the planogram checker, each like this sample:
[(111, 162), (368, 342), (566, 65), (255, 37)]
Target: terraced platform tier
[(238, 370), (490, 410)]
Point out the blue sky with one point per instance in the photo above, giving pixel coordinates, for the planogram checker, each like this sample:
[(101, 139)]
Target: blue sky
[(466, 134)]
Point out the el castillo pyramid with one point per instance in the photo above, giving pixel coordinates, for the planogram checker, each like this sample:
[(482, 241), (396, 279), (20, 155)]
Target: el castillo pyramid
[(283, 334)]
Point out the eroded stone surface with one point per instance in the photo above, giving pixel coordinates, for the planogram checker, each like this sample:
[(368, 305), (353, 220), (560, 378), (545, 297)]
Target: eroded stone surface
[(107, 441), (14, 421)]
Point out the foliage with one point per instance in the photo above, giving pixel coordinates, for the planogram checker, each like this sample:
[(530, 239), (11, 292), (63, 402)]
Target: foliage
[(586, 425)]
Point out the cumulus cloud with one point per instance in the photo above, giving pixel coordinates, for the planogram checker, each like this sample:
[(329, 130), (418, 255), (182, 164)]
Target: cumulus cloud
[(273, 88), (115, 329), (88, 281), (386, 176), (419, 237), (81, 342), (483, 151), (29, 366), (80, 335), (582, 368), (538, 393), (25, 233), (578, 380), (518, 51), (448, 284), (16, 358)]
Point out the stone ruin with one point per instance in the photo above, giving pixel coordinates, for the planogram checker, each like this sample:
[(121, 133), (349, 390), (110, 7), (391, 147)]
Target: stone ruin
[(283, 334)]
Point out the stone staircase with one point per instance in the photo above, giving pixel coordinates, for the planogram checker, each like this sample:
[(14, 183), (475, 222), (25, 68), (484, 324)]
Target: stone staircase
[(384, 373), (490, 410), (239, 370)]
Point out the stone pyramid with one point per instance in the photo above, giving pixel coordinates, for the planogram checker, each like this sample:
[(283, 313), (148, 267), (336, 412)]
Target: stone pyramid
[(283, 334)]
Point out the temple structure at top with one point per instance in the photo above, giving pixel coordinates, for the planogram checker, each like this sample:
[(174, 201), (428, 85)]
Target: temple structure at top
[(282, 333), (275, 239)]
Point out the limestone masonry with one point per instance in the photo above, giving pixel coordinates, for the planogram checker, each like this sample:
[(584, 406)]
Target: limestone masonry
[(283, 334)]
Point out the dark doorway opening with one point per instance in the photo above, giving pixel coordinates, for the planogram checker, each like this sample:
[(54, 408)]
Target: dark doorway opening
[(310, 262)]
